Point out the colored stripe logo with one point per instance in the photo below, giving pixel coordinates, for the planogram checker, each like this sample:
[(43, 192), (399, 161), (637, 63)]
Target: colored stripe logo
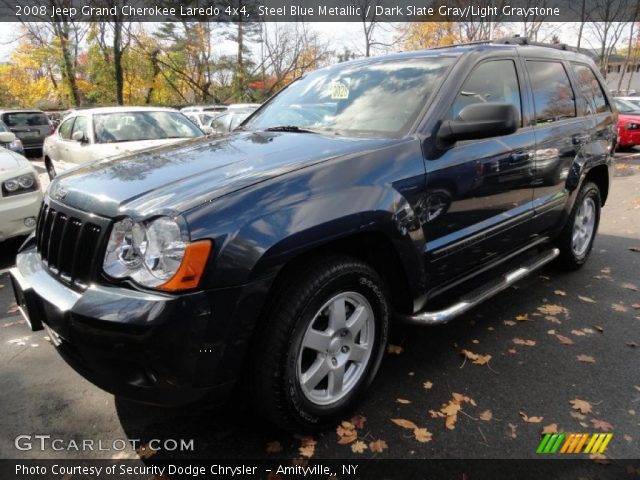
[(568, 443)]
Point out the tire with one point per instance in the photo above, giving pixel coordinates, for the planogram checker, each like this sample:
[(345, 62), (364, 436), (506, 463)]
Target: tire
[(585, 212), (284, 385), (51, 170)]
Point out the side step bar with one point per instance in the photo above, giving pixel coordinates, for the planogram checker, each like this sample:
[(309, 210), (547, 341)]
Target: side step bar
[(481, 294)]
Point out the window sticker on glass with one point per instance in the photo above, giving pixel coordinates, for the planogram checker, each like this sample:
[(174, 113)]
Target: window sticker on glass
[(339, 91)]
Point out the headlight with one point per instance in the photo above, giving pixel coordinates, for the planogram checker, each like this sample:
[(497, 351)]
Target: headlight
[(16, 144), (155, 254), (17, 185)]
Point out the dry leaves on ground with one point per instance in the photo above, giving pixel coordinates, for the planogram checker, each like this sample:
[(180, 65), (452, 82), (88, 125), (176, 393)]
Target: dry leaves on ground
[(394, 349), (560, 292), (520, 341), (582, 406), (486, 416), (427, 385), (274, 447), (586, 299), (403, 401), (618, 307), (586, 359), (358, 447), (630, 286), (551, 428), (378, 446), (522, 318), (564, 340), (549, 309), (476, 358), (601, 424), (422, 435), (529, 419)]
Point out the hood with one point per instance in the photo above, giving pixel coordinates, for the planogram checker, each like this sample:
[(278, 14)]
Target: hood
[(104, 150), (11, 162), (172, 179)]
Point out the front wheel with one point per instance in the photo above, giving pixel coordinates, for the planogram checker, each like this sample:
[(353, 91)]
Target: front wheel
[(321, 343), (576, 240), (51, 170)]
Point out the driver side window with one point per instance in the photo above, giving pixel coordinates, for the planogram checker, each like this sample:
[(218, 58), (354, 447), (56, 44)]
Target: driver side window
[(80, 126), (65, 129), (492, 81)]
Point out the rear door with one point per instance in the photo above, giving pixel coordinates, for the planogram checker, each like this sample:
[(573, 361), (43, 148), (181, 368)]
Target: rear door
[(561, 137), (479, 192)]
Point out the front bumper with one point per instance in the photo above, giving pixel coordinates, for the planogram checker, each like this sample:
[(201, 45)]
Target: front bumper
[(14, 210), (155, 348), (628, 138)]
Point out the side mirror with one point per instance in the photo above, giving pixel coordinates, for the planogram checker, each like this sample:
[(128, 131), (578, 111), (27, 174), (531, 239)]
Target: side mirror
[(7, 137), (207, 130), (79, 137), (480, 120)]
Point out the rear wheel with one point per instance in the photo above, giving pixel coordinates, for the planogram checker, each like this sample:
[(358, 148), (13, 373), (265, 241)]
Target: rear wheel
[(321, 343), (51, 170), (576, 240)]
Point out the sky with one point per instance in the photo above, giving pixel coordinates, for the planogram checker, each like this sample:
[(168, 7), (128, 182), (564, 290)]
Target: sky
[(337, 34)]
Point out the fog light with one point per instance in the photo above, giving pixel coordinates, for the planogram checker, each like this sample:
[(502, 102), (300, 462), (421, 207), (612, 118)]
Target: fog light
[(30, 222)]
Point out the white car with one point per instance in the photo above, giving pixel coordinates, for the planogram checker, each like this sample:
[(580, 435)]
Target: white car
[(99, 133), (633, 100), (21, 196)]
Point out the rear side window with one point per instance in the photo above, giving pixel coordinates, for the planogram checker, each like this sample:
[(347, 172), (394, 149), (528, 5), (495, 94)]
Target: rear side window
[(553, 96), (493, 81), (25, 119), (591, 89), (65, 129)]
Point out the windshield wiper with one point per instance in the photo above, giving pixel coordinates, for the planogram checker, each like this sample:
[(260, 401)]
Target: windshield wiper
[(288, 128)]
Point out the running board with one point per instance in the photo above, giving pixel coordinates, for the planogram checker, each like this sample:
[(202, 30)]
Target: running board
[(481, 294)]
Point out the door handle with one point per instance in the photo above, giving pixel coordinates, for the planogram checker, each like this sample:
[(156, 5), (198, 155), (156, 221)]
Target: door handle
[(580, 139), (519, 157)]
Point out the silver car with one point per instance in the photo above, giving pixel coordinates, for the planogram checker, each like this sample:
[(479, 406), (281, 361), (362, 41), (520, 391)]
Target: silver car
[(30, 126)]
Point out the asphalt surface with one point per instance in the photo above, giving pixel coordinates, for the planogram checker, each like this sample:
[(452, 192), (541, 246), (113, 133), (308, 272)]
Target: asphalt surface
[(592, 308)]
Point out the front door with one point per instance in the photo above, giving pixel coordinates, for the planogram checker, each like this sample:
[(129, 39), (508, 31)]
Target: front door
[(479, 193)]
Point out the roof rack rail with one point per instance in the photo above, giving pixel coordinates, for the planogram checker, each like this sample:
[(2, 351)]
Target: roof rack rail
[(515, 40)]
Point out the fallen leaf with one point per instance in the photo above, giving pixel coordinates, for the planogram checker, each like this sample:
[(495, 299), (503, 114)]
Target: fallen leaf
[(586, 299), (307, 446), (520, 341), (403, 401), (582, 406), (552, 319), (475, 341), (628, 438), (528, 419), (551, 428), (522, 318), (12, 309), (274, 447), (636, 306), (606, 270), (631, 344), (394, 349), (630, 286), (358, 447), (586, 359), (513, 429), (588, 331), (427, 385), (459, 398), (509, 323), (450, 422), (358, 421), (619, 307), (551, 332), (347, 433), (401, 422), (578, 333), (476, 358), (578, 416), (564, 340), (486, 415), (560, 292), (512, 351), (601, 424), (422, 435), (378, 446), (548, 309)]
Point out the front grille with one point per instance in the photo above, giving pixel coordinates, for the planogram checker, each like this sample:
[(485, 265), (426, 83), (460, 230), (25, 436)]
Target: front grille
[(69, 242)]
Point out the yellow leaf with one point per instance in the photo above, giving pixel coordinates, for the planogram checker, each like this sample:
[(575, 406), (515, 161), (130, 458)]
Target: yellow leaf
[(522, 318), (520, 341), (586, 359), (486, 415), (378, 446), (529, 419), (551, 428), (476, 358), (358, 447), (401, 422), (422, 435), (582, 406)]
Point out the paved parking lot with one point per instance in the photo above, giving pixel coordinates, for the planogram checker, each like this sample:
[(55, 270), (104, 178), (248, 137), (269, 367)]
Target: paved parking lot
[(564, 356)]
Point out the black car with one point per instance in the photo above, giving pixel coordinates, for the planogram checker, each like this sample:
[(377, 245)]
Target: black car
[(30, 126), (410, 186)]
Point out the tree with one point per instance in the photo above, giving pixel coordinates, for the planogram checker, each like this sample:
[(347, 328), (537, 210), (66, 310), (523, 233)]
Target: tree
[(419, 35)]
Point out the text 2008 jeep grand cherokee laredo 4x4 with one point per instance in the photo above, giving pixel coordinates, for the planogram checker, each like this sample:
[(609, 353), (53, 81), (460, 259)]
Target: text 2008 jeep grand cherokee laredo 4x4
[(369, 190)]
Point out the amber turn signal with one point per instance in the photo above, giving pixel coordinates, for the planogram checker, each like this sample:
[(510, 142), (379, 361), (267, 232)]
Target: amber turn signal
[(191, 269)]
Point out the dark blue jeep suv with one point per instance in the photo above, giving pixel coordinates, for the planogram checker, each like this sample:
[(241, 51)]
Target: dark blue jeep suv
[(410, 186)]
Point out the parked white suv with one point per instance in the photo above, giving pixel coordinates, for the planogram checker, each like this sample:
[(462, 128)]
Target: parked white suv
[(20, 195), (98, 133)]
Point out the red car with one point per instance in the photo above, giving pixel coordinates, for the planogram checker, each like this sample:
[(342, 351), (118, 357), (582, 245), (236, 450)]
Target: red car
[(628, 124)]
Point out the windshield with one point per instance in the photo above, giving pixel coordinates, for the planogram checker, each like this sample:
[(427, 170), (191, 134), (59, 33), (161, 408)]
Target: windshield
[(136, 126), (624, 106), (25, 119), (379, 98)]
